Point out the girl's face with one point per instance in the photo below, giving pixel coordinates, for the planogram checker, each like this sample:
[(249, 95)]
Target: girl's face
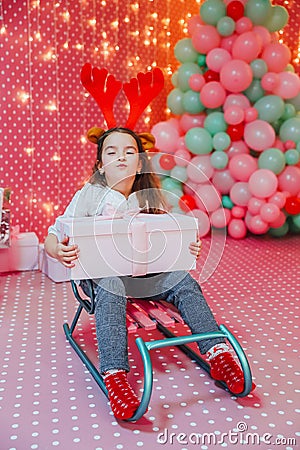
[(120, 159)]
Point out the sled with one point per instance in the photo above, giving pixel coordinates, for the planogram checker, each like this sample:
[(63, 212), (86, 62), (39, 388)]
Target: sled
[(151, 315)]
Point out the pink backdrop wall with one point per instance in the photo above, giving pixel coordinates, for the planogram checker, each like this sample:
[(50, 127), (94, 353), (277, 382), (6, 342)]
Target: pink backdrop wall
[(44, 111)]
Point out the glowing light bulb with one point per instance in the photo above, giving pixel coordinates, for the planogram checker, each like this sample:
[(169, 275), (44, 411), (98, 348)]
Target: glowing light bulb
[(83, 140), (23, 96), (38, 36), (56, 157), (29, 150), (66, 45), (3, 30), (92, 22), (115, 24)]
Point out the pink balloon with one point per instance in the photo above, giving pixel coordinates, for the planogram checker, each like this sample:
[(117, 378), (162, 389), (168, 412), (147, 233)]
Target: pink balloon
[(188, 121), (269, 212), (263, 183), (257, 225), (237, 229), (289, 180), (237, 148), (203, 221), (255, 204), (199, 169), (223, 181), (238, 212), (212, 94), (189, 187), (242, 166), (208, 196), (279, 144), (220, 217), (234, 115), (251, 114), (194, 23), (240, 193), (259, 135), (182, 157), (166, 136), (288, 85), (281, 219), (216, 59), (269, 81), (239, 100), (243, 25), (246, 47), (205, 38), (277, 56), (196, 82), (278, 199), (227, 42), (236, 75), (289, 145), (263, 33)]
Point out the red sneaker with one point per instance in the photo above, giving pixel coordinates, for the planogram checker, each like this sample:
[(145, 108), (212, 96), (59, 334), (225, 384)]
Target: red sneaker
[(223, 367), (123, 400)]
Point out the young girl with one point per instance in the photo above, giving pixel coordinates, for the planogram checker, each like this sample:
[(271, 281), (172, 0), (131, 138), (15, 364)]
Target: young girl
[(123, 181)]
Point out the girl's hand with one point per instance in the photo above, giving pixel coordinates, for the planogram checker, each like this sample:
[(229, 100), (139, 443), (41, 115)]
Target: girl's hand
[(195, 248), (66, 254)]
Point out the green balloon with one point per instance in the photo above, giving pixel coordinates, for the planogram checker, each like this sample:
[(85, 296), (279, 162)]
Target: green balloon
[(211, 11), (270, 108), (254, 92), (292, 157), (290, 130), (174, 79), (191, 102), (278, 19), (169, 184), (214, 123), (184, 51), (289, 111), (259, 68), (198, 141), (290, 68), (185, 71), (296, 102), (226, 202), (201, 60), (296, 221), (221, 141), (280, 231), (174, 102), (258, 11), (219, 160), (272, 159), (226, 26)]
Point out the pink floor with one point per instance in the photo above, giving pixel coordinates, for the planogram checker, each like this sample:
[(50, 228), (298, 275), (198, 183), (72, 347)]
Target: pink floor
[(48, 400)]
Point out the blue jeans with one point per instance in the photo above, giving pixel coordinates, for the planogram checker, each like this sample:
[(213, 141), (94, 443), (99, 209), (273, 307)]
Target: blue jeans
[(178, 288)]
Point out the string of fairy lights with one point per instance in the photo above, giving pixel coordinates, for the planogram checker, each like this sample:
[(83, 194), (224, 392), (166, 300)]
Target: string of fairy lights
[(98, 40)]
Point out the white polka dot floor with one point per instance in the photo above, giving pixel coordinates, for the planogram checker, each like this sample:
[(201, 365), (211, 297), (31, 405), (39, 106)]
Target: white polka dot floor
[(48, 399)]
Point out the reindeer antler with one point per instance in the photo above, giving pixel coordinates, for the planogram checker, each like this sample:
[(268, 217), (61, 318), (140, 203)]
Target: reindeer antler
[(141, 91), (104, 89)]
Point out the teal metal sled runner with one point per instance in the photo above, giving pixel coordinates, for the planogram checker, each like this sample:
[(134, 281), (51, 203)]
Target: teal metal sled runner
[(145, 348)]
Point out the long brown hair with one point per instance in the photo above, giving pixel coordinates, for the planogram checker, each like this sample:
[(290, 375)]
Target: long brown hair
[(146, 183)]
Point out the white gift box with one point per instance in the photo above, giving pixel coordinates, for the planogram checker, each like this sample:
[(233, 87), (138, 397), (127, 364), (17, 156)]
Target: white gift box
[(52, 268), (23, 254), (133, 245)]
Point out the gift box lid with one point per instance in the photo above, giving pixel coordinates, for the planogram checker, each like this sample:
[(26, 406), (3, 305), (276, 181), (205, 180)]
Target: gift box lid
[(102, 225)]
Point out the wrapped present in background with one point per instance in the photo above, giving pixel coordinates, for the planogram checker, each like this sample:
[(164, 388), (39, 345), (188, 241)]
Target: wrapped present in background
[(22, 254), (4, 217)]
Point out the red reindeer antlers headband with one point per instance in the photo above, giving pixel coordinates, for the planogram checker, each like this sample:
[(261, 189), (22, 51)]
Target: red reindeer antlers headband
[(104, 89)]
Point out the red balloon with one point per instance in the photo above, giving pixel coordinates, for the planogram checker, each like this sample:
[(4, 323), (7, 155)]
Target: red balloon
[(211, 75), (292, 205), (235, 10), (236, 132), (167, 162), (187, 203)]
